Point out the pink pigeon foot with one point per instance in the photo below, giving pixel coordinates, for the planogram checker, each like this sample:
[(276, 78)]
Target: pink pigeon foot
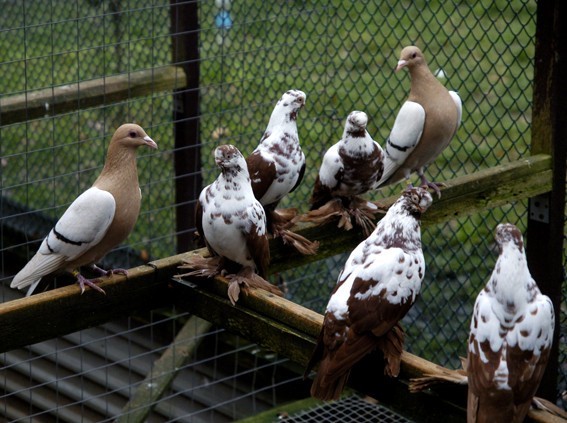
[(110, 272), (82, 281)]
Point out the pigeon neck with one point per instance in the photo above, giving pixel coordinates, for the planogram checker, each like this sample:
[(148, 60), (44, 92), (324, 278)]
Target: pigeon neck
[(235, 179), (400, 229), (278, 118), (421, 79), (356, 142), (119, 167), (511, 279)]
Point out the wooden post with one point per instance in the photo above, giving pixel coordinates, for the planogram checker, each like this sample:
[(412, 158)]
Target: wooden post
[(544, 240), (188, 180)]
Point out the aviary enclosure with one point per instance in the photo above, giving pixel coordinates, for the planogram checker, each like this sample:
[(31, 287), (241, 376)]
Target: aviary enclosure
[(196, 74)]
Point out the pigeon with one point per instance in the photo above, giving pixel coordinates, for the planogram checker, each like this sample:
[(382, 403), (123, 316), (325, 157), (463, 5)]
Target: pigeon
[(350, 168), (424, 126), (379, 283), (232, 222), (97, 221), (277, 167), (510, 338)]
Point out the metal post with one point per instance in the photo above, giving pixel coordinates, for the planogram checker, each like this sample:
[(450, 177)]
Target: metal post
[(188, 180), (547, 212)]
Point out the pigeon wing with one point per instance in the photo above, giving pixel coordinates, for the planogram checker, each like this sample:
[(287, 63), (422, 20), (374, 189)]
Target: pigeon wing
[(82, 225), (262, 173), (403, 138)]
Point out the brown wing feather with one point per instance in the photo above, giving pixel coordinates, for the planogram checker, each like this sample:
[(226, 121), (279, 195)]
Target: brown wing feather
[(320, 196), (259, 248), (262, 173), (374, 314)]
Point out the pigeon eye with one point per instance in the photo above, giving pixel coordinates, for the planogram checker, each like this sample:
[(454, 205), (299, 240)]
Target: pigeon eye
[(132, 134), (413, 56)]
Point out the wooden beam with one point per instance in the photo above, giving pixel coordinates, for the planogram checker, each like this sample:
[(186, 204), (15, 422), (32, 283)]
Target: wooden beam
[(186, 119), (95, 92), (22, 321), (546, 218), (164, 371)]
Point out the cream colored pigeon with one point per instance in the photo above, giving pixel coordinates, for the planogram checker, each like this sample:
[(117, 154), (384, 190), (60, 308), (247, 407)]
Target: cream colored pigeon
[(97, 221), (424, 126)]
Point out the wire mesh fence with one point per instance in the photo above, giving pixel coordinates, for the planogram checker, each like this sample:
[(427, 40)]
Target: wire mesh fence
[(342, 54)]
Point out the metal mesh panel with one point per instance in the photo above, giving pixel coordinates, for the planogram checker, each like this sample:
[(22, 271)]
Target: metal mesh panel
[(342, 54), (351, 409)]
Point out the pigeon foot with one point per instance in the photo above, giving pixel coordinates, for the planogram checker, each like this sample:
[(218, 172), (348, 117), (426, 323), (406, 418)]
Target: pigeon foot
[(82, 281), (299, 242), (432, 185), (206, 267), (247, 278), (110, 272)]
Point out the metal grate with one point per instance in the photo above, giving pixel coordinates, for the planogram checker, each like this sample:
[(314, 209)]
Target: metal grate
[(351, 409)]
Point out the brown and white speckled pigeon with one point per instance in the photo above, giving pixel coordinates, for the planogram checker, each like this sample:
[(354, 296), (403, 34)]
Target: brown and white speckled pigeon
[(97, 221), (510, 337), (350, 168), (378, 285), (233, 224), (277, 166), (424, 126)]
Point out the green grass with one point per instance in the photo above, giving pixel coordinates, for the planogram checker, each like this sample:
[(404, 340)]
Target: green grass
[(341, 53)]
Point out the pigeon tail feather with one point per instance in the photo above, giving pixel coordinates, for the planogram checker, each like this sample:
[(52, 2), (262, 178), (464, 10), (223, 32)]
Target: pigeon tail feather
[(39, 266)]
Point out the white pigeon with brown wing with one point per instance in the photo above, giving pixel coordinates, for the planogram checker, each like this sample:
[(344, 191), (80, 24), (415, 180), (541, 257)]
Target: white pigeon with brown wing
[(424, 126), (349, 169), (97, 221), (379, 283), (232, 223), (511, 335), (277, 166)]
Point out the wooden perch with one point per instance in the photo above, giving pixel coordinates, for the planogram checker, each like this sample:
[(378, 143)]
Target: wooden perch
[(273, 322), (23, 321), (95, 92)]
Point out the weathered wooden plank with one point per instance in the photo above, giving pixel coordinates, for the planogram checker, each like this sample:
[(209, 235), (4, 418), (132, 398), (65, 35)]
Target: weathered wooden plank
[(95, 92), (164, 371), (463, 196), (23, 322), (64, 310)]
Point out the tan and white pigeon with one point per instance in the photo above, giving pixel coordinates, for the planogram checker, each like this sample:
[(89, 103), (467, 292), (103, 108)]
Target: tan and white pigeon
[(349, 169), (424, 126), (232, 223), (510, 337), (277, 166), (379, 283), (97, 221)]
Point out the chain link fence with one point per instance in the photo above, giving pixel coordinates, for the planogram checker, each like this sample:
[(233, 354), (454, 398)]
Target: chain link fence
[(343, 55)]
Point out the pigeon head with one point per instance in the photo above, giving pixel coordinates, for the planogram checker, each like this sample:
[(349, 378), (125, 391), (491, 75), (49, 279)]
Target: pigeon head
[(410, 57), (506, 233), (291, 102), (133, 136), (356, 123), (228, 157), (416, 200)]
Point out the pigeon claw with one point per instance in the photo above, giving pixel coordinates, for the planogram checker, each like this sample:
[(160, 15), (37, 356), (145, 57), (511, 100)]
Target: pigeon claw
[(82, 281)]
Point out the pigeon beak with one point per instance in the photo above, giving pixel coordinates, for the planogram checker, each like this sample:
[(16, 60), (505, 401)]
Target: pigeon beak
[(401, 64), (150, 143)]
